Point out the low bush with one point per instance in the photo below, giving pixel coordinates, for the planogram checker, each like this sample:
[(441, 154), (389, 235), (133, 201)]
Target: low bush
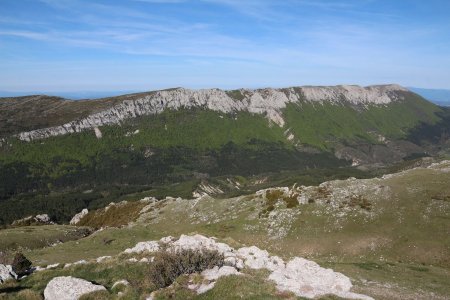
[(168, 266)]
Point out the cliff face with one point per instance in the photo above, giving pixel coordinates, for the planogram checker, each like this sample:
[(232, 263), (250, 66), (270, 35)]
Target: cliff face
[(269, 102)]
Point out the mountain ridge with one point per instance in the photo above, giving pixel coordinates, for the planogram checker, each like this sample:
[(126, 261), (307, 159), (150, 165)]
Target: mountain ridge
[(267, 101)]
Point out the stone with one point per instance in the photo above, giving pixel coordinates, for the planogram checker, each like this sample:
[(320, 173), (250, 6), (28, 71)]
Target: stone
[(53, 266), (120, 282), (77, 218), (307, 279), (150, 246), (255, 258), (44, 218), (69, 288), (6, 273), (102, 258), (216, 272), (198, 242)]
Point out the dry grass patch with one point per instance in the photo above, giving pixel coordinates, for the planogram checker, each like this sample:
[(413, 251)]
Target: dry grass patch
[(116, 215)]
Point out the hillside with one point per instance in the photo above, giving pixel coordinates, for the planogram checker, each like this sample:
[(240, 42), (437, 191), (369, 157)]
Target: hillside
[(92, 152), (389, 235)]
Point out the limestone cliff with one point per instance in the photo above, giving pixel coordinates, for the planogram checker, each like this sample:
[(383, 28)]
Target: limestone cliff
[(269, 102)]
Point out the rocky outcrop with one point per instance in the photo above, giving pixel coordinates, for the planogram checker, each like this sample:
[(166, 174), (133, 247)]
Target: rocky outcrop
[(42, 219), (69, 288), (303, 277), (77, 218), (267, 101), (307, 279), (6, 273)]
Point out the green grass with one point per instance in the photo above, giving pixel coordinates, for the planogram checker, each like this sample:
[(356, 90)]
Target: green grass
[(36, 237), (322, 125)]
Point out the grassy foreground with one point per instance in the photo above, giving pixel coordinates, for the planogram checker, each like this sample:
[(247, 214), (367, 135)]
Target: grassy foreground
[(390, 235)]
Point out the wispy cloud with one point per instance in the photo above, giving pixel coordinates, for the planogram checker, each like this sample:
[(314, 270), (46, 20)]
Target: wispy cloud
[(289, 40)]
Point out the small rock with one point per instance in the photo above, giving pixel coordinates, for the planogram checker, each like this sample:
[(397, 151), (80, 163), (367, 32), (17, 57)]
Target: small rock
[(52, 266), (102, 258), (120, 282)]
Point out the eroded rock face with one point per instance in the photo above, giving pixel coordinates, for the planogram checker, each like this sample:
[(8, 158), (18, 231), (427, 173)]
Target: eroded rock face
[(269, 102), (69, 288), (76, 219), (303, 277), (6, 273)]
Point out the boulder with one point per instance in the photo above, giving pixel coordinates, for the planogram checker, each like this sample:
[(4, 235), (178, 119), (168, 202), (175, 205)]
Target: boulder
[(77, 218), (122, 282), (307, 279), (6, 273), (255, 258), (69, 288), (216, 272), (150, 246)]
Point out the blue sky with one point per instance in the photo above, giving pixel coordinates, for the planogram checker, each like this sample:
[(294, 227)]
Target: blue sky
[(81, 45)]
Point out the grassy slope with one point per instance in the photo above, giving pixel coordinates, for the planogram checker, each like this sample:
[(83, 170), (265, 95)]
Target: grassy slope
[(321, 125)]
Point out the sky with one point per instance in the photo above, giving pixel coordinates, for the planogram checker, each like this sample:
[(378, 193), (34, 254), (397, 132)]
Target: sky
[(110, 45)]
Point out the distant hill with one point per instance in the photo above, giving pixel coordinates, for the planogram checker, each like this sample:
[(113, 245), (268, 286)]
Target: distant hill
[(68, 95), (438, 96)]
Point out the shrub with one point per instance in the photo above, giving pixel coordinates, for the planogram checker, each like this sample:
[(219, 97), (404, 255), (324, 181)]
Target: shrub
[(21, 265), (168, 266)]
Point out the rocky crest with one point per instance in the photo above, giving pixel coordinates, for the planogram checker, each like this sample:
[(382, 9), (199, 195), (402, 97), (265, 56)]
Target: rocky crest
[(267, 101)]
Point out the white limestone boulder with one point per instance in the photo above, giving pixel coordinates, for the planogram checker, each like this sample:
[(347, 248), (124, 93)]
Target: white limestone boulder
[(255, 258), (6, 273), (150, 246), (69, 288), (307, 279), (216, 272), (77, 218)]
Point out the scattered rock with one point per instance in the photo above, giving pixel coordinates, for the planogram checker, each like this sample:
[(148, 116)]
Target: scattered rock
[(77, 218), (69, 288), (303, 277)]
